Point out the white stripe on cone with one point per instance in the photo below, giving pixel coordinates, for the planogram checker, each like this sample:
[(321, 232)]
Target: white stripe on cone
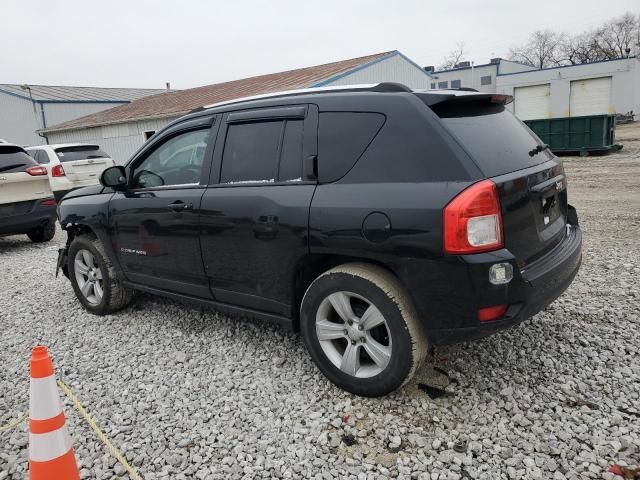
[(44, 447), (44, 400)]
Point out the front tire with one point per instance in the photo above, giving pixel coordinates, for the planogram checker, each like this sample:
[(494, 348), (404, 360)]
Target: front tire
[(94, 278), (43, 234), (360, 327)]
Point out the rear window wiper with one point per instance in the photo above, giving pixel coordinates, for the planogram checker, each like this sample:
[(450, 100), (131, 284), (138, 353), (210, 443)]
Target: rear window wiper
[(538, 149)]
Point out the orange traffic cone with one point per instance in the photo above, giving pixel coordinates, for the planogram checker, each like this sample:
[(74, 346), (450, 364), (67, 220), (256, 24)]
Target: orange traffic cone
[(50, 452)]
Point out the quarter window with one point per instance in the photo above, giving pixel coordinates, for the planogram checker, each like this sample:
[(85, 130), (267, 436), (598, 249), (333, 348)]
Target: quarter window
[(342, 139), (178, 161), (39, 156)]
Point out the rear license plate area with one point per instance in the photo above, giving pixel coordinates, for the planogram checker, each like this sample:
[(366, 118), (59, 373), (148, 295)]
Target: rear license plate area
[(550, 208)]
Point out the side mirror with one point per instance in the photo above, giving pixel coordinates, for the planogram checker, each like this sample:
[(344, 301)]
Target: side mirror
[(114, 177)]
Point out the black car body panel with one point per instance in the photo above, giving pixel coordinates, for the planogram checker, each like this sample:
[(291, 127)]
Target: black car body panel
[(23, 217), (254, 247)]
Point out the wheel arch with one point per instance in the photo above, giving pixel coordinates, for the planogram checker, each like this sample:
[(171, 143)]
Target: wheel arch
[(315, 265), (77, 229)]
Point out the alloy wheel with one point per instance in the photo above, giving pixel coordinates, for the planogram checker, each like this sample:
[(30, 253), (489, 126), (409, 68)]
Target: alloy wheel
[(88, 276), (353, 334)]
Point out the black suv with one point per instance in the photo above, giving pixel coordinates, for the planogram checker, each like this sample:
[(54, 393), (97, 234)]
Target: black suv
[(378, 220)]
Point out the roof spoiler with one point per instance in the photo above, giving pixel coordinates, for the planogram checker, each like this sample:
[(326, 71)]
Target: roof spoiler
[(467, 97)]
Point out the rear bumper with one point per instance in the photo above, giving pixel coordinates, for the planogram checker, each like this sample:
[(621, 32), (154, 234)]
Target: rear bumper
[(531, 290), (37, 216)]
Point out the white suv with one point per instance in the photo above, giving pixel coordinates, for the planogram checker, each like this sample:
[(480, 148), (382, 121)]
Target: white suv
[(26, 203), (71, 165)]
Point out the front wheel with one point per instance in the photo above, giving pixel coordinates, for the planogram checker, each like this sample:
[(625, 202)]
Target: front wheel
[(94, 278), (361, 329)]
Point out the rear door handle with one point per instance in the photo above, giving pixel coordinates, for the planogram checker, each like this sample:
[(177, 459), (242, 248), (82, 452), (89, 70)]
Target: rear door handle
[(179, 205)]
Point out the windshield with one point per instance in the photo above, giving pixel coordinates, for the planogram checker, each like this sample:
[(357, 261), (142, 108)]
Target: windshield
[(81, 152), (497, 141)]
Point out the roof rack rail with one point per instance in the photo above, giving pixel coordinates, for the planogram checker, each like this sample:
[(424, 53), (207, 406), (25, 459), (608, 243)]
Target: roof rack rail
[(371, 87)]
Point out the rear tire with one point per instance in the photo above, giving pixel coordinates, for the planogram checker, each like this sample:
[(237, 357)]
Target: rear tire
[(94, 278), (43, 234), (379, 345)]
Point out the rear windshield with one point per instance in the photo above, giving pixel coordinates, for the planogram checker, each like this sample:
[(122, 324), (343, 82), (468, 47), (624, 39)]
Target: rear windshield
[(82, 152), (14, 159), (497, 141)]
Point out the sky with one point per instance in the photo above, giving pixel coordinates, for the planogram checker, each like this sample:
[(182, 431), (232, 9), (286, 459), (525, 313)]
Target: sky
[(143, 43)]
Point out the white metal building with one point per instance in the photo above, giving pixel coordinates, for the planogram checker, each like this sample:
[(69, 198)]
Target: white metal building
[(481, 77), (606, 87), (122, 130), (27, 108)]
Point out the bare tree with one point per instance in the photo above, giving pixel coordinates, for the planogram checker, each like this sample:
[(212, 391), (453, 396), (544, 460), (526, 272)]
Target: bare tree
[(619, 36), (580, 48), (454, 57), (541, 50)]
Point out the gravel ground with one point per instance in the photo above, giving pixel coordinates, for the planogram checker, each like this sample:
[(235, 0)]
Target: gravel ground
[(188, 393)]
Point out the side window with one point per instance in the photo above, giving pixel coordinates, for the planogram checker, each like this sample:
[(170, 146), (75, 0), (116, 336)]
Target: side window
[(250, 152), (39, 156), (456, 83), (342, 139), (443, 84), (178, 161), (485, 80), (291, 152), (434, 84)]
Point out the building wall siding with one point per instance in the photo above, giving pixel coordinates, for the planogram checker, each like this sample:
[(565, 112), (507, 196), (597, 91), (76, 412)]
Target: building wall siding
[(120, 141), (470, 77), (625, 92), (18, 122), (393, 69)]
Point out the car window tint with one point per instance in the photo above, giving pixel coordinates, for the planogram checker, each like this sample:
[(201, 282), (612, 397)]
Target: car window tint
[(342, 139), (40, 156), (497, 141), (79, 152), (251, 152), (14, 159), (291, 152), (178, 161)]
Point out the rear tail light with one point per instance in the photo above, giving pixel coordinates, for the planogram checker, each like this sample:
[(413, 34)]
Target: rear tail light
[(36, 170), (490, 314), (48, 202), (472, 221), (57, 171)]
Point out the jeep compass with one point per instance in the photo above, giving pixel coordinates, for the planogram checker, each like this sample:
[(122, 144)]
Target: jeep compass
[(377, 220)]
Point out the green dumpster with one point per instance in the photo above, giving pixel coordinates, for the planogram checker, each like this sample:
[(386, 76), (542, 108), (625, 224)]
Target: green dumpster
[(593, 133)]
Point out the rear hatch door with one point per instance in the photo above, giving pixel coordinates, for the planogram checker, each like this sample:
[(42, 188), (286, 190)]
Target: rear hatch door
[(16, 185), (83, 164), (530, 179)]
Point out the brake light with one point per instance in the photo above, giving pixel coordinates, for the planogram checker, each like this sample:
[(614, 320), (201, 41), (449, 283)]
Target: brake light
[(57, 171), (490, 314), (48, 202), (472, 222), (36, 170)]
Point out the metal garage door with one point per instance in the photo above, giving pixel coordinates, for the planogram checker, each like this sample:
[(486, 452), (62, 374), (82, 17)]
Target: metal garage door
[(533, 102), (590, 97)]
